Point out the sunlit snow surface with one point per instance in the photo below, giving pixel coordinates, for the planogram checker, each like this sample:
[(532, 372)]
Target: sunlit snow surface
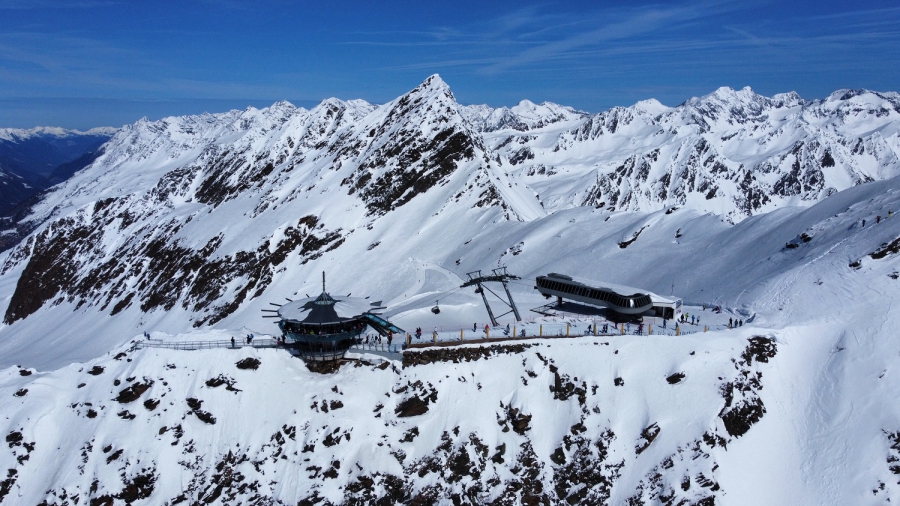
[(829, 392)]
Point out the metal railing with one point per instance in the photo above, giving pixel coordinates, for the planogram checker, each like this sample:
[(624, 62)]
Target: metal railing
[(256, 343), (384, 348), (550, 332), (205, 345)]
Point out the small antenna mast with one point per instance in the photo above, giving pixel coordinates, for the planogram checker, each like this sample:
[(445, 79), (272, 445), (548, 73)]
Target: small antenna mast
[(323, 281)]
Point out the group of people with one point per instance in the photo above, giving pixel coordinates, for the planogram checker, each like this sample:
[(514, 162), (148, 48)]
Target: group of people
[(735, 323), (377, 338), (695, 320), (249, 339), (878, 218)]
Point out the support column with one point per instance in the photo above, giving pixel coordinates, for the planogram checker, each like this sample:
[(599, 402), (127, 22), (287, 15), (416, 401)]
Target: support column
[(487, 306), (512, 303)]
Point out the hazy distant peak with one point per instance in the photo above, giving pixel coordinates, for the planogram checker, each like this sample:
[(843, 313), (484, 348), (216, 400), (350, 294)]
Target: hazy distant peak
[(10, 134), (789, 99), (652, 106)]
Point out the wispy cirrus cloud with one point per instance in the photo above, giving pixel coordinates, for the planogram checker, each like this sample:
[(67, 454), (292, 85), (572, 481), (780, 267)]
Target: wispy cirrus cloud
[(717, 35), (621, 27)]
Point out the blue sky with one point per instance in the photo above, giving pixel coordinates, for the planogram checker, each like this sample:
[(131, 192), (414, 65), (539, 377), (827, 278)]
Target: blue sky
[(84, 63)]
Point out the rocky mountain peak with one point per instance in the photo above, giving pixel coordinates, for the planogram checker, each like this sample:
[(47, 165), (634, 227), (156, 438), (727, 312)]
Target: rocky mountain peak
[(433, 87)]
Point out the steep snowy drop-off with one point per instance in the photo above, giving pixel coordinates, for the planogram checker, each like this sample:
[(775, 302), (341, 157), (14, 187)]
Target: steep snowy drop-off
[(796, 407), (202, 221)]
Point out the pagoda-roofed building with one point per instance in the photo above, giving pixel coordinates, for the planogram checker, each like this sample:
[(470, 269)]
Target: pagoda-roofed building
[(323, 328)]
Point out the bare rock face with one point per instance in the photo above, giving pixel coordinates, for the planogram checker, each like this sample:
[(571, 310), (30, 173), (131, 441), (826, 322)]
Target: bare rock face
[(412, 406), (743, 406), (133, 392), (248, 363)]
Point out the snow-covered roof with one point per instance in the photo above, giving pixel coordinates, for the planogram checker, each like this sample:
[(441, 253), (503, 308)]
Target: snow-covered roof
[(326, 309), (657, 299)]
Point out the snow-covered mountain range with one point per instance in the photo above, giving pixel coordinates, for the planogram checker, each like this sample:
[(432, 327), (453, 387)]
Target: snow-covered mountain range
[(187, 227), (34, 159)]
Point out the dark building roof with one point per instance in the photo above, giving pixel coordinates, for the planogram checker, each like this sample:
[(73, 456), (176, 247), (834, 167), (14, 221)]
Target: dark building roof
[(326, 309)]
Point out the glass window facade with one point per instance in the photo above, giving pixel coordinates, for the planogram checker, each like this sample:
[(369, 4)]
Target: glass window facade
[(609, 297)]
